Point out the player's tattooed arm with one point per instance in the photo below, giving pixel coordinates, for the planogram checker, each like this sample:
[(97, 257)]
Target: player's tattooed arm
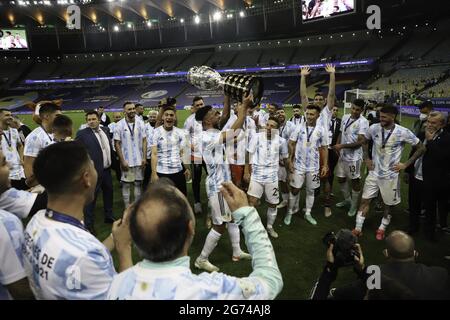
[(225, 112), (366, 157), (420, 150), (331, 69), (304, 71)]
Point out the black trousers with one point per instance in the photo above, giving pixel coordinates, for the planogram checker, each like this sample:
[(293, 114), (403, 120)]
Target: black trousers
[(436, 201), (415, 202), (147, 174), (179, 179), (115, 165), (19, 184), (332, 162), (104, 183), (197, 179)]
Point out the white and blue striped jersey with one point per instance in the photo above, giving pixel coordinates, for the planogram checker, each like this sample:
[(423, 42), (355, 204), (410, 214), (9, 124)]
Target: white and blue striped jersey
[(11, 262), (266, 155), (297, 121), (175, 281), (385, 158), (213, 154), (131, 136), (194, 130), (307, 157), (169, 145), (63, 261), (17, 202), (149, 131), (235, 149), (37, 140), (286, 130), (9, 142), (350, 130)]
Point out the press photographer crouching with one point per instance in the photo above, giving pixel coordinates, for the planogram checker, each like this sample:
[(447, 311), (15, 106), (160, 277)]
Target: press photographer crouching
[(400, 278)]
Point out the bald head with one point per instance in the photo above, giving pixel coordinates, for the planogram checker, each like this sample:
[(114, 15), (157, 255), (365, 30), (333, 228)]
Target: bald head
[(162, 222), (400, 246)]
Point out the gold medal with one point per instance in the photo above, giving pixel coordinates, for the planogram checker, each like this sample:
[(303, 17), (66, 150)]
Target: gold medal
[(308, 144), (10, 148)]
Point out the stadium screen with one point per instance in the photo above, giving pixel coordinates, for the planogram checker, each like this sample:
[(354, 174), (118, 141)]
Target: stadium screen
[(14, 39), (313, 10)]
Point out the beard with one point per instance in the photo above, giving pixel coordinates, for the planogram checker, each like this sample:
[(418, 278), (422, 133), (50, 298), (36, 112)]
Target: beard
[(297, 116)]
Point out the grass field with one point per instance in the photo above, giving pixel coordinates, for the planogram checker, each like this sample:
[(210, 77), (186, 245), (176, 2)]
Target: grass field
[(299, 249)]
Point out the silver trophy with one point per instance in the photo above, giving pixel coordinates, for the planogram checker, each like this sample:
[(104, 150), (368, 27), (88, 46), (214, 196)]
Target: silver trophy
[(234, 85)]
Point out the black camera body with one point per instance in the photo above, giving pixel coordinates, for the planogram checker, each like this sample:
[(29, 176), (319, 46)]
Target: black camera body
[(344, 249)]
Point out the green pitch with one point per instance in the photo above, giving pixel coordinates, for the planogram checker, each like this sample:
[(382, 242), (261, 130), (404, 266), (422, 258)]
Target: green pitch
[(299, 249)]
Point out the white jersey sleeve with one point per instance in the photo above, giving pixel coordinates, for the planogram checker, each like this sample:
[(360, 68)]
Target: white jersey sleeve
[(11, 241)]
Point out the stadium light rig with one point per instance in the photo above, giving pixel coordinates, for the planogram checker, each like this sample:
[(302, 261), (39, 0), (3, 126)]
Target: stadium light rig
[(217, 16), (197, 19)]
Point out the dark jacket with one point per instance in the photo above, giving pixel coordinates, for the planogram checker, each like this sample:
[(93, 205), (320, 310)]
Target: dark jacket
[(337, 130), (436, 162), (106, 122), (87, 137), (424, 282)]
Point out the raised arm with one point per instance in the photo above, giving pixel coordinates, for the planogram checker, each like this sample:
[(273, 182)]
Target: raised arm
[(242, 114), (266, 273), (225, 112), (304, 72), (331, 69)]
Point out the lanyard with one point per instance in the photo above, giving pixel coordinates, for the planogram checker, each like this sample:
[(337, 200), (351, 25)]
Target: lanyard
[(282, 129), (8, 141), (384, 141), (64, 218), (49, 138), (308, 135), (131, 131), (348, 124)]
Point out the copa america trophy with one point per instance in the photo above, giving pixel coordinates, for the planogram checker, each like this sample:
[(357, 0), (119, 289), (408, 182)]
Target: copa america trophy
[(234, 85)]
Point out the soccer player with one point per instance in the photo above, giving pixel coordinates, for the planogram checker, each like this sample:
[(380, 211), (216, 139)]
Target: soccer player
[(194, 130), (38, 139), (388, 139), (169, 148), (62, 259), (354, 128), (297, 117), (267, 150), (62, 128), (213, 141), (13, 279), (285, 130), (131, 147), (140, 112), (235, 151), (307, 145), (115, 162), (104, 118), (12, 148)]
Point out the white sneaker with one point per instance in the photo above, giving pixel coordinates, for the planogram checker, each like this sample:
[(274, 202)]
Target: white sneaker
[(343, 204), (242, 256), (272, 233), (287, 219), (327, 212), (282, 204), (352, 212), (205, 265), (310, 219), (197, 208)]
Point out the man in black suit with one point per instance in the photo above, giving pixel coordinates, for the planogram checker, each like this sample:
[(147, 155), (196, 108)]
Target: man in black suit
[(334, 130), (436, 173), (96, 140), (401, 277)]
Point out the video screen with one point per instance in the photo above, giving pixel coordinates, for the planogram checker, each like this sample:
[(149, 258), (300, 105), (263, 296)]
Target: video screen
[(321, 9), (14, 39)]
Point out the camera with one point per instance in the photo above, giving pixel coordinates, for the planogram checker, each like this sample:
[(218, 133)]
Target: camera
[(344, 250)]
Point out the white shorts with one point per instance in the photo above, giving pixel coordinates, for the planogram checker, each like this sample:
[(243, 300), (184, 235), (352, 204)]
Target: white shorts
[(133, 174), (389, 189), (282, 174), (257, 189), (297, 180), (220, 212), (348, 169)]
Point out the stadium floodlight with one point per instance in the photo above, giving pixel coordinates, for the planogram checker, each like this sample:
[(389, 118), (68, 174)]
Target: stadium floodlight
[(197, 19), (116, 28), (129, 25), (242, 14), (149, 23), (217, 16), (47, 3), (229, 16), (181, 20)]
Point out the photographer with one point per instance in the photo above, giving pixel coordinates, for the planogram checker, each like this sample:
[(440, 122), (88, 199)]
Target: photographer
[(401, 276)]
